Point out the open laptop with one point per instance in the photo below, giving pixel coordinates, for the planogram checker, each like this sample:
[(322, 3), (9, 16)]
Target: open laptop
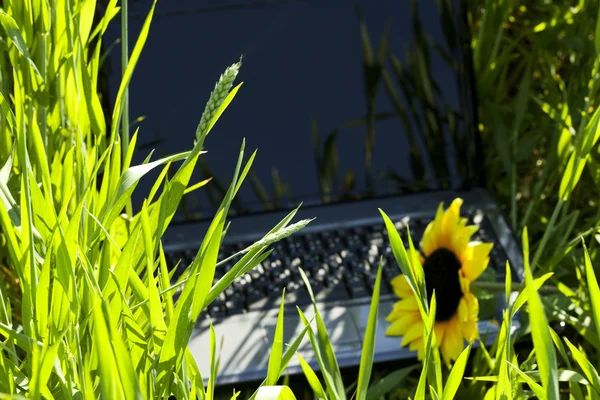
[(342, 126)]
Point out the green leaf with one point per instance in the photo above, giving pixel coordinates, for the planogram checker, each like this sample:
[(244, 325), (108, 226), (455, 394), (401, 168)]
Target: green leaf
[(504, 387), (277, 347), (289, 354), (110, 384), (14, 34), (456, 375), (571, 176), (597, 35), (127, 74), (593, 288), (428, 336), (312, 378), (157, 322), (542, 341), (389, 382), (535, 387), (586, 366), (413, 273), (577, 161), (322, 348), (210, 390), (524, 295), (127, 183), (368, 348)]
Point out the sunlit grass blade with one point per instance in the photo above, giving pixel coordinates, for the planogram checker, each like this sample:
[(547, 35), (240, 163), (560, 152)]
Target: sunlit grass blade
[(127, 74), (127, 184), (110, 385), (535, 387), (593, 289), (389, 382), (428, 342), (575, 389), (368, 348), (413, 273), (157, 322), (322, 348), (276, 347), (504, 387), (311, 377), (210, 389), (524, 295), (12, 29), (542, 341), (456, 375), (288, 355), (586, 366)]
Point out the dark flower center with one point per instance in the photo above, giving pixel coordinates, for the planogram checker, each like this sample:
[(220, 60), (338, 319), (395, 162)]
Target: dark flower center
[(441, 274)]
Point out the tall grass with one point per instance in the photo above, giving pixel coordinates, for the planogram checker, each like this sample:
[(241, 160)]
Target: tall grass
[(97, 317), (87, 306)]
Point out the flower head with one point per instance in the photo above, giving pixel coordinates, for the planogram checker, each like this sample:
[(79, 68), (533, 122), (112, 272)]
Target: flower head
[(450, 263)]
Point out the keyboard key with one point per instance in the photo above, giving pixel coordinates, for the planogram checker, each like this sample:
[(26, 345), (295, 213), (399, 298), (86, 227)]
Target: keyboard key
[(357, 288), (216, 310), (332, 293), (234, 306)]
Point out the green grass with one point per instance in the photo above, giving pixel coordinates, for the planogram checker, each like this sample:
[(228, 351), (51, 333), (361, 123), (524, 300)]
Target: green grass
[(86, 300)]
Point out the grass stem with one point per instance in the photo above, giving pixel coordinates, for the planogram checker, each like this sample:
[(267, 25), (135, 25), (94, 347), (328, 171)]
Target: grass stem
[(547, 234), (125, 113)]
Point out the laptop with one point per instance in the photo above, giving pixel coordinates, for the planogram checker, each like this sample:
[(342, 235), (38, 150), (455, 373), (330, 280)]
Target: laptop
[(354, 106)]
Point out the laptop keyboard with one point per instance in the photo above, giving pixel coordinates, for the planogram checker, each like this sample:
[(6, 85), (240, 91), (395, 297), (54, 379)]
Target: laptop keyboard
[(341, 265)]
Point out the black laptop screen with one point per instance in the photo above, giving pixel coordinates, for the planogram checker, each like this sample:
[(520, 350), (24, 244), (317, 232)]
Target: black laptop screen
[(336, 113)]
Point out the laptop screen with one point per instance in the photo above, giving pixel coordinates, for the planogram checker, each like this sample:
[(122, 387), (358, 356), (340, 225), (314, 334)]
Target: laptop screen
[(343, 100)]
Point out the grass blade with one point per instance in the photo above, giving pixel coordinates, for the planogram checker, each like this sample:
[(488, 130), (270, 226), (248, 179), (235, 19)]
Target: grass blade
[(277, 347), (533, 385), (389, 382), (312, 378), (456, 375), (127, 74), (368, 350), (593, 289), (586, 366), (542, 341), (14, 34)]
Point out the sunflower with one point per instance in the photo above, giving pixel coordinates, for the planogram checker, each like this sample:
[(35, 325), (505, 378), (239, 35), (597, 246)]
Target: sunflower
[(450, 263)]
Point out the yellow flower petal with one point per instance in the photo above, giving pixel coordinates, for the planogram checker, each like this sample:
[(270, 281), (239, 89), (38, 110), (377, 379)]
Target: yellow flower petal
[(407, 304), (432, 232), (463, 310), (453, 341), (473, 306), (470, 330), (465, 285), (417, 345), (476, 263), (415, 331), (440, 328), (400, 326), (401, 287), (451, 217), (461, 239), (428, 242)]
